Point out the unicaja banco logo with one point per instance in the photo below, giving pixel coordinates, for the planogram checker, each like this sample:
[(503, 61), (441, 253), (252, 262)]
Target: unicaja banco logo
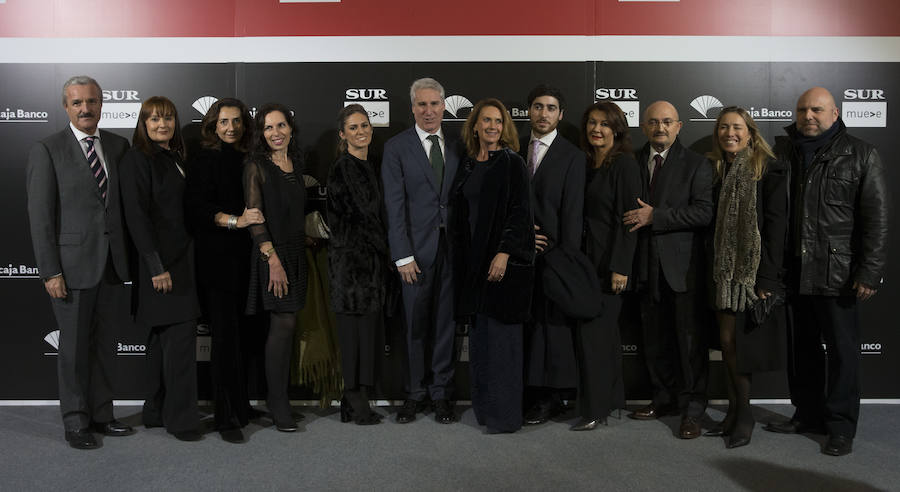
[(202, 105), (52, 339), (708, 106), (458, 107)]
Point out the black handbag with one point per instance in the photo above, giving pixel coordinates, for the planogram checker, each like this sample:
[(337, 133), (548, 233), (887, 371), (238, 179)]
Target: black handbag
[(761, 309), (571, 282)]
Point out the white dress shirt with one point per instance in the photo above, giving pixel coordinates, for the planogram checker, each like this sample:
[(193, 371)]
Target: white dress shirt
[(98, 146), (546, 142)]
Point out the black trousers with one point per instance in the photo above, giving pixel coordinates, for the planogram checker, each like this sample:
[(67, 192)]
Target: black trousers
[(824, 383), (87, 351), (495, 364), (431, 329), (358, 336), (598, 351), (172, 395), (227, 324), (675, 349)]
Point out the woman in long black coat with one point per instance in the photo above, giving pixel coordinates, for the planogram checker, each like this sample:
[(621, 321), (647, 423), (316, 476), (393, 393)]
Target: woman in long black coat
[(358, 261), (748, 244), (273, 183), (152, 182), (492, 233), (613, 187), (216, 216)]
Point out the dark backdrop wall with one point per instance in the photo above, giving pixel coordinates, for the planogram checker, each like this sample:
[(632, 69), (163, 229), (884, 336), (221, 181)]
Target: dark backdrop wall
[(30, 109)]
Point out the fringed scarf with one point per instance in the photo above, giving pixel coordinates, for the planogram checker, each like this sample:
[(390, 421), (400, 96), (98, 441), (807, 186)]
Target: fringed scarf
[(317, 359), (737, 240)]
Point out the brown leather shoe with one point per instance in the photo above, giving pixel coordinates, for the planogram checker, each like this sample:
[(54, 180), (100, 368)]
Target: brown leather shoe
[(650, 412), (690, 428)]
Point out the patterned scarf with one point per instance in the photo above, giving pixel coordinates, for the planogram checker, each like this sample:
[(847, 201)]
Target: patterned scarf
[(737, 240)]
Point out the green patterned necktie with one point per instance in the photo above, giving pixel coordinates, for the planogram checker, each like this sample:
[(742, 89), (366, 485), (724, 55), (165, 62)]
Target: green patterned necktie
[(437, 159)]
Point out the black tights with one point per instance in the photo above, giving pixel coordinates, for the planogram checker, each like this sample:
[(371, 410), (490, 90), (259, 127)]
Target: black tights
[(279, 346), (739, 419)]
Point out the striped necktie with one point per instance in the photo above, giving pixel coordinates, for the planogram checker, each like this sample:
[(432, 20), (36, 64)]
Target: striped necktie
[(96, 167)]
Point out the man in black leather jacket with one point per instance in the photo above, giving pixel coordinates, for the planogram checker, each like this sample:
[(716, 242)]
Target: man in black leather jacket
[(838, 241)]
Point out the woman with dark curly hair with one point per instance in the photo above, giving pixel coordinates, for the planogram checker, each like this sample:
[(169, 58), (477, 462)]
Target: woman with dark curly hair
[(215, 215), (273, 183), (152, 182), (613, 187), (492, 233)]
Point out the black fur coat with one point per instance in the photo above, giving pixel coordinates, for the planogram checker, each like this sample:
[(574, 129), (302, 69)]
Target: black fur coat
[(358, 258), (504, 223)]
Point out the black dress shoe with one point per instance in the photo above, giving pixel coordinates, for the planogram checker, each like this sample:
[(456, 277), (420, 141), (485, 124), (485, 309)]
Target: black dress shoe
[(690, 428), (541, 412), (443, 412), (793, 426), (408, 411), (371, 419), (81, 439), (113, 428), (188, 435), (587, 425), (838, 445), (652, 412), (234, 436)]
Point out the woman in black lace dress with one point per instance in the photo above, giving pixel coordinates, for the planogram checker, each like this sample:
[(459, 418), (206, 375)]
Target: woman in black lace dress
[(273, 183)]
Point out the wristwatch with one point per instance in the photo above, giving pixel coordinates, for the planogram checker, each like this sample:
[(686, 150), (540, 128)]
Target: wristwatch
[(267, 254)]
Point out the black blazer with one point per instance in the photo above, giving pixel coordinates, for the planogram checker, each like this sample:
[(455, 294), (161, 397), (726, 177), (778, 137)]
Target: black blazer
[(558, 191), (214, 184), (153, 200), (611, 191), (73, 231), (682, 210), (358, 257), (504, 225)]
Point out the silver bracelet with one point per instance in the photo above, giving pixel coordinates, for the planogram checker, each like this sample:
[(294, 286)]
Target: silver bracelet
[(232, 222)]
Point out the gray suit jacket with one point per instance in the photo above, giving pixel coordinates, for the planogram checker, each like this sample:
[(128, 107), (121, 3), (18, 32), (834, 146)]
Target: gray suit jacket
[(72, 229), (416, 208)]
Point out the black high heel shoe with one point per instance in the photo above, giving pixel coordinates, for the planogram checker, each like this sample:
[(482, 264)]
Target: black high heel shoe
[(346, 411)]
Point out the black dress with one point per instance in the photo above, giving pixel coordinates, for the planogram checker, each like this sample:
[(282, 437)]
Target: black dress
[(153, 201), (611, 191), (214, 184), (281, 197), (763, 347), (490, 214), (358, 262)]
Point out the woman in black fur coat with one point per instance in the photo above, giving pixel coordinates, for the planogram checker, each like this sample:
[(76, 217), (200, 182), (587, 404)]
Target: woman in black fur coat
[(492, 233), (357, 261)]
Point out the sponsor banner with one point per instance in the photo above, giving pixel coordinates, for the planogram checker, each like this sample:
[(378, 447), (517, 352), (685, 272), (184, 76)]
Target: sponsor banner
[(119, 115), (21, 115), (375, 102)]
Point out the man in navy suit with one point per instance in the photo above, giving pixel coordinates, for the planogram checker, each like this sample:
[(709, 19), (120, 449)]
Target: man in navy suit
[(679, 207), (418, 168), (79, 244)]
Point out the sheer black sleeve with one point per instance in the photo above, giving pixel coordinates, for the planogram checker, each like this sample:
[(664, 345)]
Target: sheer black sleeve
[(254, 178)]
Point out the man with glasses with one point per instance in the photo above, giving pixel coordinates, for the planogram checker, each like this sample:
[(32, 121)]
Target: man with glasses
[(676, 208)]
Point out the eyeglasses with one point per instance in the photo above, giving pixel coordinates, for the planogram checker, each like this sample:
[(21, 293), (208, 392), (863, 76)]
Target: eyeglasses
[(665, 123)]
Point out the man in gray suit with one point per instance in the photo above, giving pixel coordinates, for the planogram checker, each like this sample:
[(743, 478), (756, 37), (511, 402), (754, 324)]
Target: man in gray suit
[(77, 234), (418, 168)]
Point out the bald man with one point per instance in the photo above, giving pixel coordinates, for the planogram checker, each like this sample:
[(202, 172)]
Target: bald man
[(836, 256), (678, 208)]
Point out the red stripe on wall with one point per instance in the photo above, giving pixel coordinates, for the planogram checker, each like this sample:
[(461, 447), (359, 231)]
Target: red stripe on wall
[(210, 18)]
